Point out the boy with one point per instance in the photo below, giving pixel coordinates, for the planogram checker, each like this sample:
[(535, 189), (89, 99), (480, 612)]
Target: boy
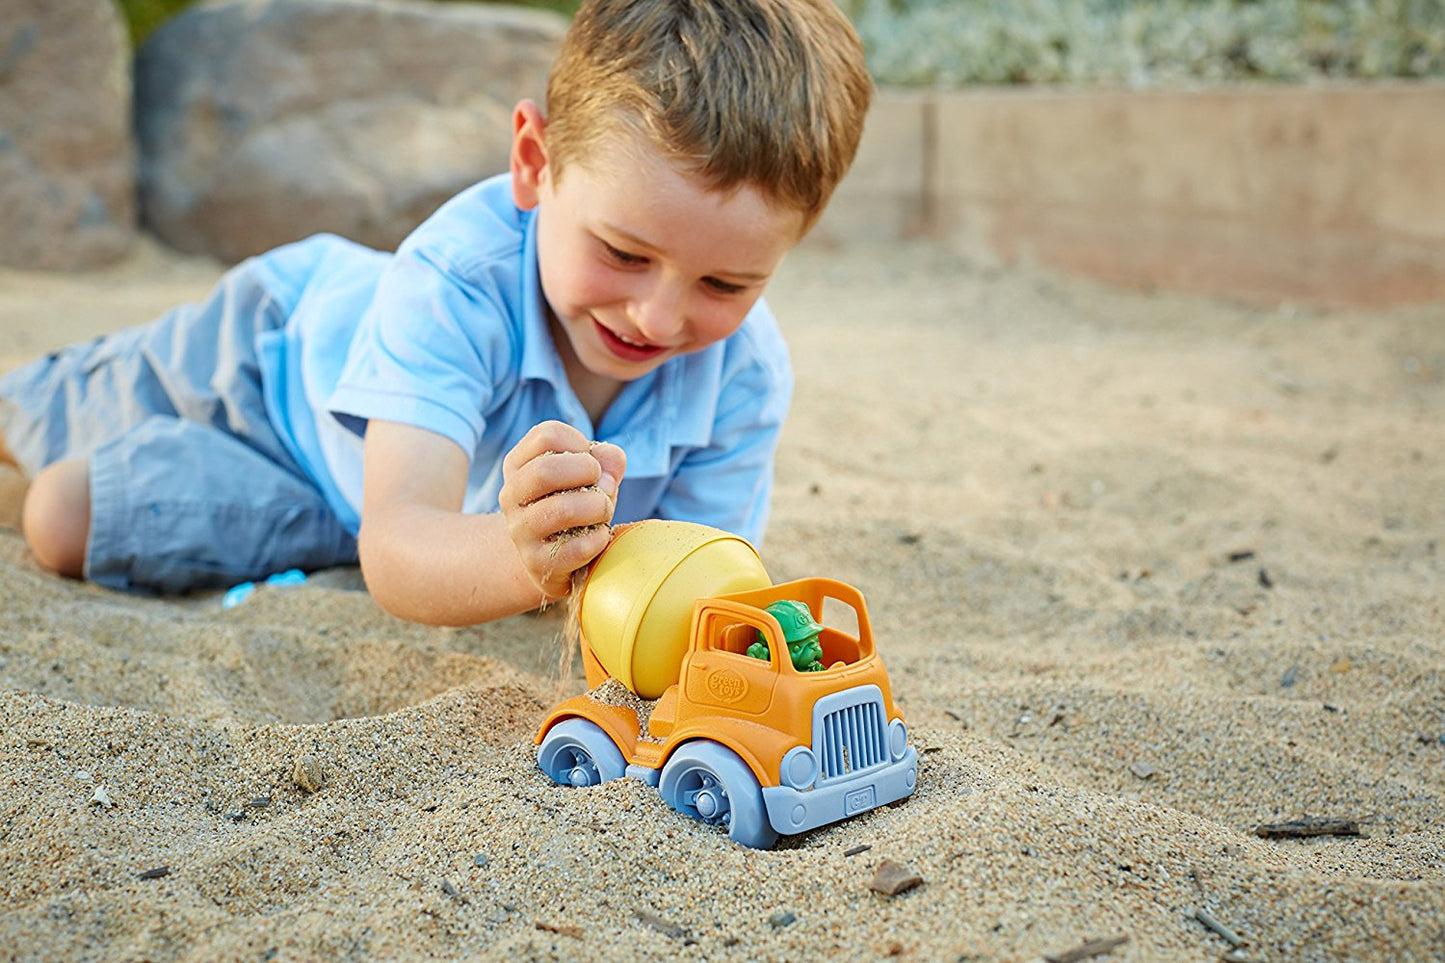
[(454, 416)]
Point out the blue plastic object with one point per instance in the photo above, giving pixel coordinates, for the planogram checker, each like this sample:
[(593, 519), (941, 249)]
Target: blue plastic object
[(576, 752), (292, 576), (237, 594), (710, 782), (862, 763)]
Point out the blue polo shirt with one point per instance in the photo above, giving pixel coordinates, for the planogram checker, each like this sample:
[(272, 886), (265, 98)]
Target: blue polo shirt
[(450, 334)]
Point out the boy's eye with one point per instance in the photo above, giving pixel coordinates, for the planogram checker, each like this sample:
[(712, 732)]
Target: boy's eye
[(721, 286), (622, 257)]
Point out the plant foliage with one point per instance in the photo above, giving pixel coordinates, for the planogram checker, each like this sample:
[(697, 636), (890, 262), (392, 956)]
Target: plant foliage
[(1147, 42), (1135, 42), (143, 16)]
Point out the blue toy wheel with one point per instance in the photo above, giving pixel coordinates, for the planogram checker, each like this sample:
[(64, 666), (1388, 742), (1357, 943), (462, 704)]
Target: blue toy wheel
[(576, 752), (710, 782)]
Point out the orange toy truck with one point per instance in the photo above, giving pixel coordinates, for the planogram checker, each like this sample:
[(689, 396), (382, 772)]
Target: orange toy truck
[(725, 692)]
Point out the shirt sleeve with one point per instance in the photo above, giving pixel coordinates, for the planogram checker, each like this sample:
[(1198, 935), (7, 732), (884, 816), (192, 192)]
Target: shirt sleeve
[(425, 352), (728, 483)]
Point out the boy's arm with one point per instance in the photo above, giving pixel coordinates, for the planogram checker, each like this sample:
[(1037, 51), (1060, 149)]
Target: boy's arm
[(426, 561)]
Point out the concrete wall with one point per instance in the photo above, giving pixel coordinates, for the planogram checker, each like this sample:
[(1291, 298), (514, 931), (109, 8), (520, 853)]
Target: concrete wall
[(1330, 195)]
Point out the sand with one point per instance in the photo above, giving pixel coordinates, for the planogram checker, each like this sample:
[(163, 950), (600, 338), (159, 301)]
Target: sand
[(1148, 571)]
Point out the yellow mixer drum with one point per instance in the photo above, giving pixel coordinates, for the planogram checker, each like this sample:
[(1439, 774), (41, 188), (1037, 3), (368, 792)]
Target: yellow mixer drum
[(636, 606)]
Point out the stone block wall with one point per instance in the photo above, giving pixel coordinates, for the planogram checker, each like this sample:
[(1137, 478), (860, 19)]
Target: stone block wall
[(1331, 195)]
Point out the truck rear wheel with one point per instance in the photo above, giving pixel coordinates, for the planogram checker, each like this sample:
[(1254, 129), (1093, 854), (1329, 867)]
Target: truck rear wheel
[(710, 782), (576, 752)]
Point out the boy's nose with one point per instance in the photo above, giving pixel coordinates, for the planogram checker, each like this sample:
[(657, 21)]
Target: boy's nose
[(658, 313)]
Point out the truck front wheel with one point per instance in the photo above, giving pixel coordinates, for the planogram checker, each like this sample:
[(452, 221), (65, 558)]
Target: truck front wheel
[(576, 752), (710, 782)]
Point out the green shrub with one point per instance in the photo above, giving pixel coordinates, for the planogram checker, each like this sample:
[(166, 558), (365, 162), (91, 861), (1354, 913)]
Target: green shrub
[(143, 16), (1136, 42), (1147, 42)]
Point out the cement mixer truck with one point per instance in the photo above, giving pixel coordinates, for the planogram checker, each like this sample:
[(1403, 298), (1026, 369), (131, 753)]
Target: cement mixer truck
[(760, 708)]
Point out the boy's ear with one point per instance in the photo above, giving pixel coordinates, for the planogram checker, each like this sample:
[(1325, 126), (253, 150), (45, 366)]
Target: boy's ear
[(529, 154)]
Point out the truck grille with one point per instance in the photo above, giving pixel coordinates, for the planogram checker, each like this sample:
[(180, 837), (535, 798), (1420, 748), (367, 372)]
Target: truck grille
[(851, 738)]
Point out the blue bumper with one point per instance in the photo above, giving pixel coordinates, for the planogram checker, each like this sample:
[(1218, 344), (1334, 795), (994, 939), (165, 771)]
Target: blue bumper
[(794, 811)]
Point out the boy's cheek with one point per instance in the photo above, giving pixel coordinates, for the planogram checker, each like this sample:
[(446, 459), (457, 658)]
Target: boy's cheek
[(724, 332), (718, 324)]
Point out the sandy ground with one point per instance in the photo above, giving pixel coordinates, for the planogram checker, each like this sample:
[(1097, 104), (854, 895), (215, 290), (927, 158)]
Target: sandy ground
[(1148, 572)]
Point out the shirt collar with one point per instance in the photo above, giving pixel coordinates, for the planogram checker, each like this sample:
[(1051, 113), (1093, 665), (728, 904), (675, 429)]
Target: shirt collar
[(539, 358)]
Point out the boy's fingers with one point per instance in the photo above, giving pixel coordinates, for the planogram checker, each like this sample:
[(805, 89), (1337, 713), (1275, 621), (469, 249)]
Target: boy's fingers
[(549, 436), (550, 474), (560, 534), (579, 508), (572, 549), (557, 560), (613, 461)]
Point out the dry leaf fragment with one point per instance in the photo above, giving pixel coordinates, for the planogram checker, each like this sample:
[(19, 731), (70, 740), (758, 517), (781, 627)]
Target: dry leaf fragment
[(893, 878)]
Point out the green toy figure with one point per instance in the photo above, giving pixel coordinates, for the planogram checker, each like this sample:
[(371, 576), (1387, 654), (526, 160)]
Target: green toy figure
[(800, 631)]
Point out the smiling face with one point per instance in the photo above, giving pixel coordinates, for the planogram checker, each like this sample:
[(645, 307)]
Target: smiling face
[(639, 262)]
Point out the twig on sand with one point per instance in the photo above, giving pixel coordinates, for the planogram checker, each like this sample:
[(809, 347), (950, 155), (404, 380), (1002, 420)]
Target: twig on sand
[(1088, 950), (1299, 828), (1207, 918), (670, 930)]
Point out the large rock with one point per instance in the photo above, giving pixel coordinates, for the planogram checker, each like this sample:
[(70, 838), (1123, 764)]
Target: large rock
[(264, 122), (67, 164)]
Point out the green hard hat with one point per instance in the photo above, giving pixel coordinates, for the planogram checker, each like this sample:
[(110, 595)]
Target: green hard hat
[(795, 618)]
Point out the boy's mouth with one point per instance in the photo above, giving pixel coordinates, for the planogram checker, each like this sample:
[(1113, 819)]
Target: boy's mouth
[(625, 348)]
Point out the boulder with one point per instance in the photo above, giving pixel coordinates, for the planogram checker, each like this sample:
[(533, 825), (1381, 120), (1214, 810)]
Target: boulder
[(264, 121), (67, 163)]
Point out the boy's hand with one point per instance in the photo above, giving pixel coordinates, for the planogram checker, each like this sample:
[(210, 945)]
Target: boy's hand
[(558, 492)]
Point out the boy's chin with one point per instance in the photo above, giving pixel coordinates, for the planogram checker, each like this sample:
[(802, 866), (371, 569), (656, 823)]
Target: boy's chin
[(626, 373)]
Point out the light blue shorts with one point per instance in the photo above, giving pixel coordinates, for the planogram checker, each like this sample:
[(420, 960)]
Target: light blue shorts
[(190, 486)]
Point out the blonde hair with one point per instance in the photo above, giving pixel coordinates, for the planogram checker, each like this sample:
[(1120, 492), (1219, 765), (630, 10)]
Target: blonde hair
[(765, 93)]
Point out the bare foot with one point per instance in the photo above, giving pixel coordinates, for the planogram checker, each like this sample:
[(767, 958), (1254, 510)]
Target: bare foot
[(12, 495)]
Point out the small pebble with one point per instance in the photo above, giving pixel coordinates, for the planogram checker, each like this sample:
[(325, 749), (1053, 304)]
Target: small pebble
[(1143, 770), (780, 920), (101, 797), (308, 773)]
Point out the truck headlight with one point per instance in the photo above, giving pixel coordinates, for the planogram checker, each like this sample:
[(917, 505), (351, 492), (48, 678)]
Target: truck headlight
[(897, 739), (799, 769)]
